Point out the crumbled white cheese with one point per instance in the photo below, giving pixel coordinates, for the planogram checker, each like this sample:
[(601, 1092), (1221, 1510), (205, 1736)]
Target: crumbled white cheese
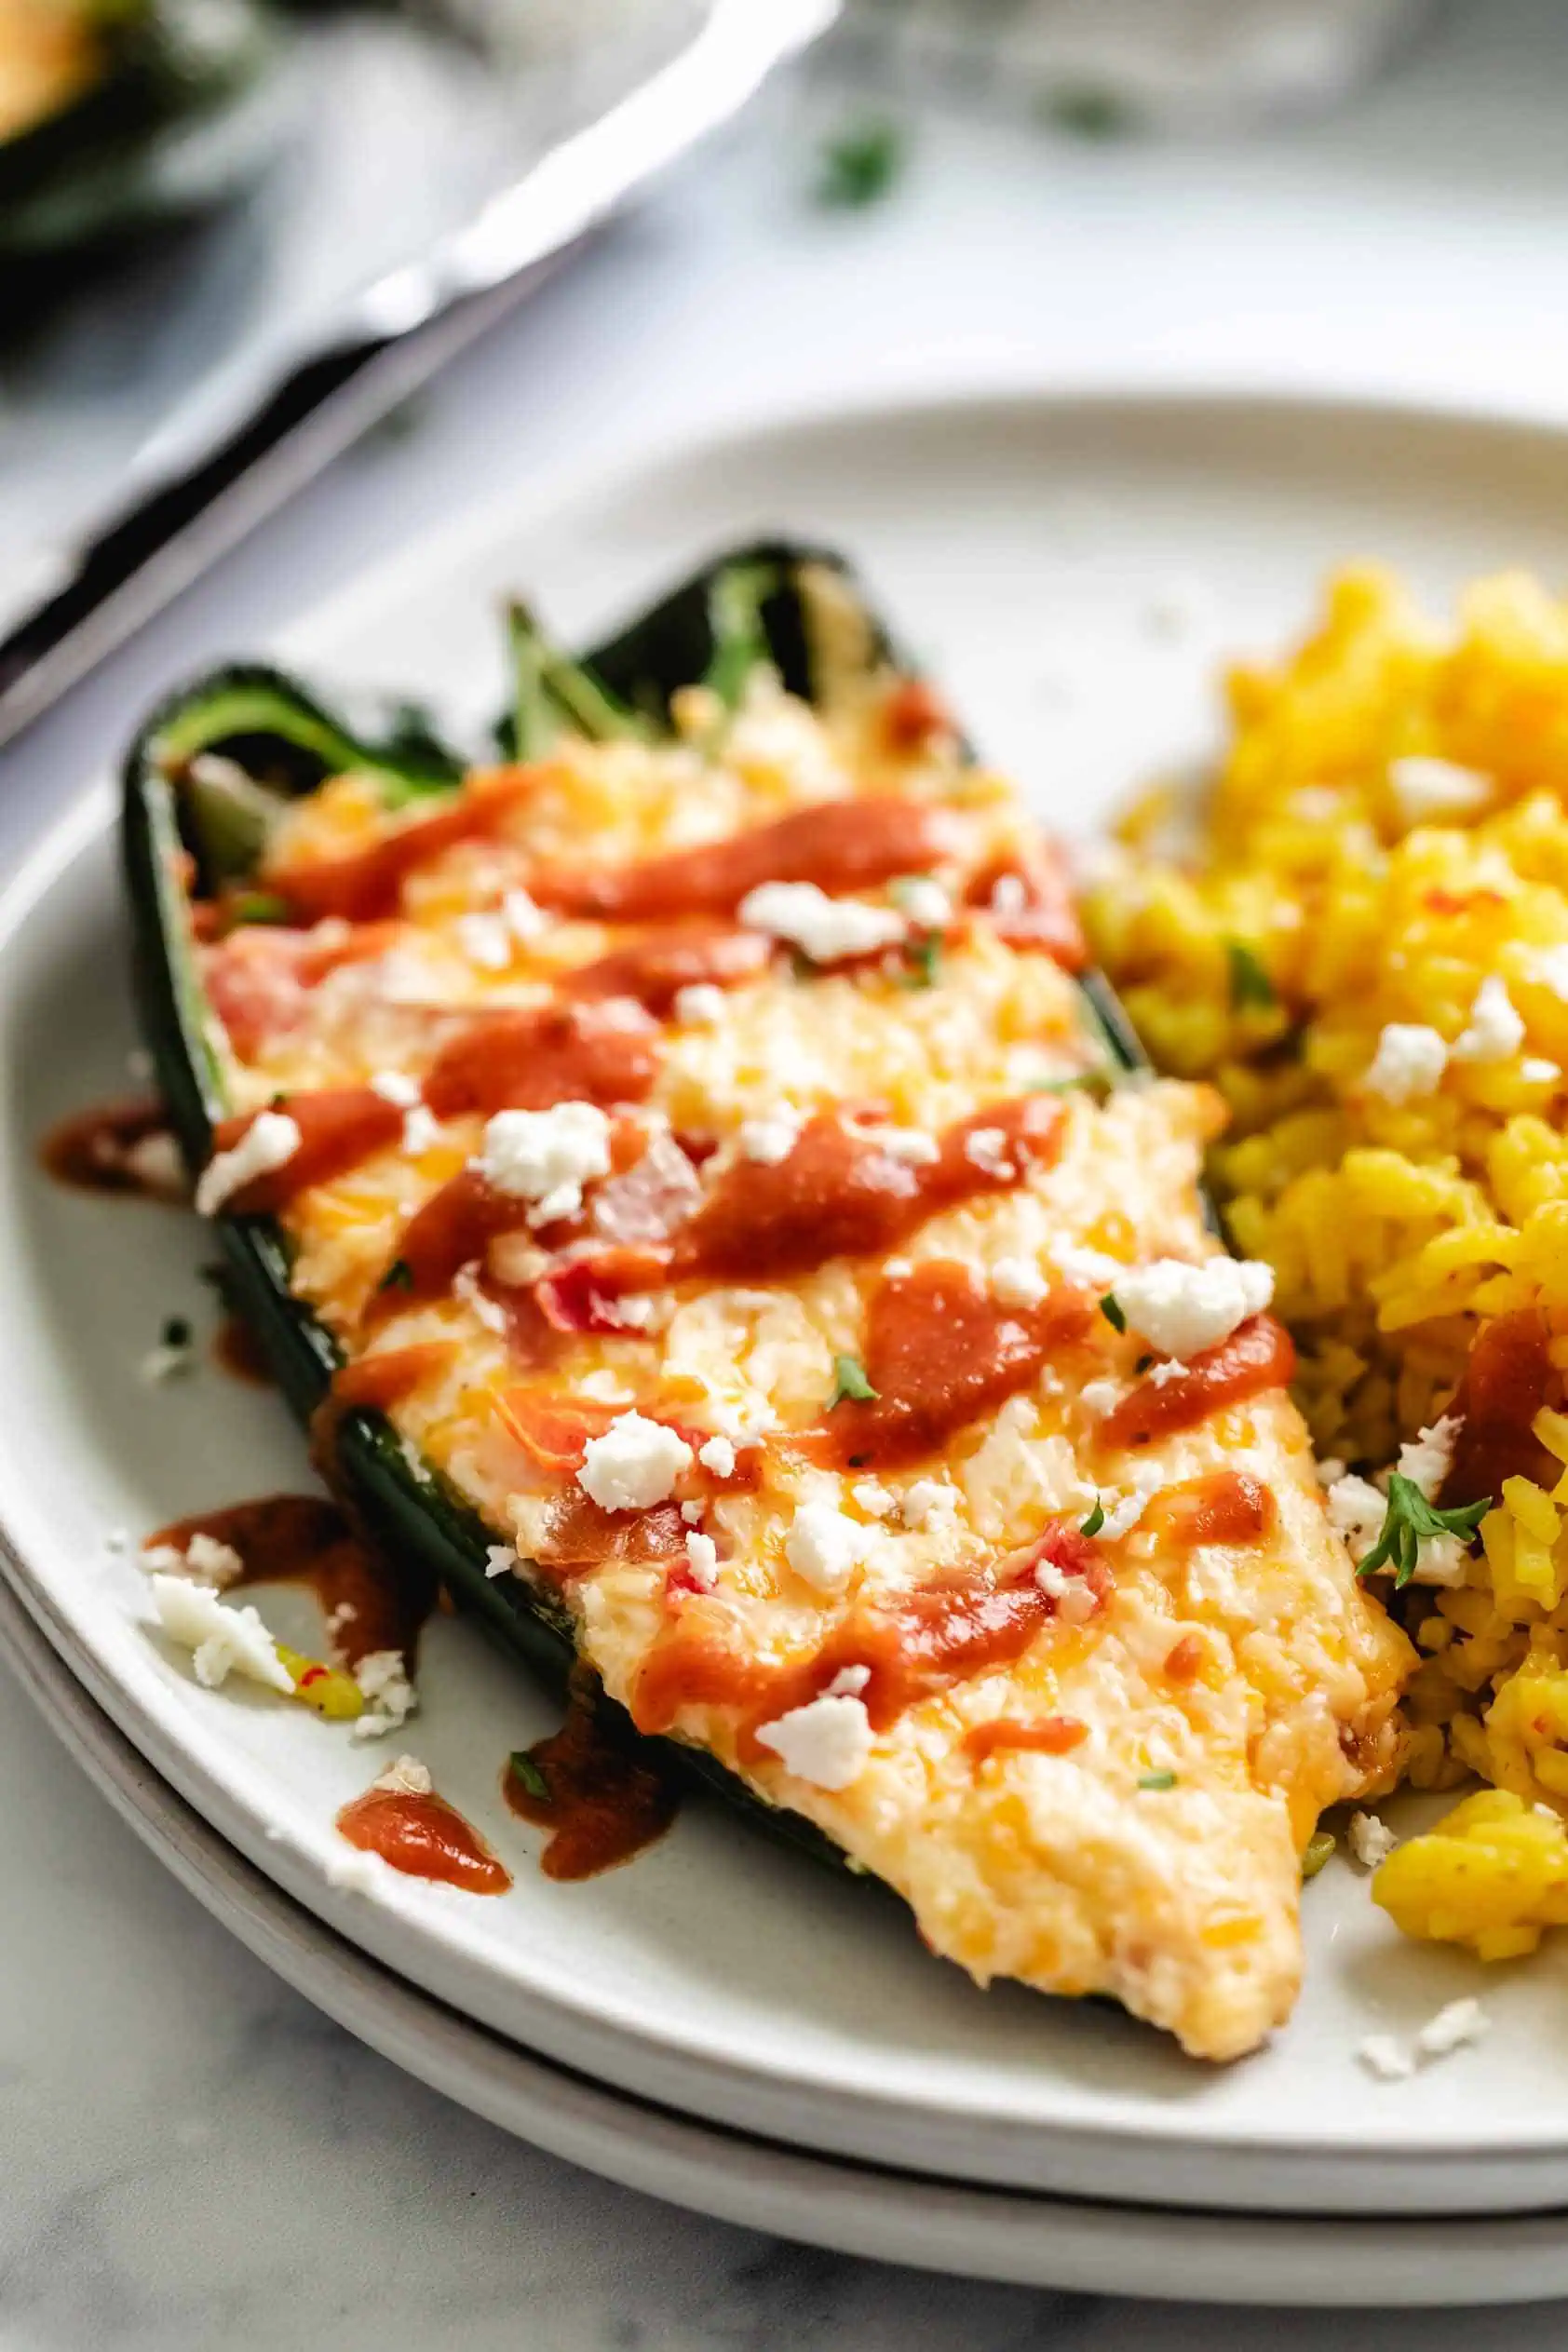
[(1494, 1032), (823, 1546), (356, 1872), (546, 1157), (397, 1087), (117, 1541), (922, 1497), (634, 1464), (1008, 895), (827, 1742), (718, 1455), (486, 940), (702, 1558), (907, 1143), (1074, 1600), (515, 1260), (166, 1361), (1409, 1060), (1091, 1267), (1427, 788), (390, 1698), (155, 1160), (824, 928), (501, 1560), (205, 1561), (1381, 2056), (269, 1141), (1099, 1397), (1537, 1071), (986, 1148), (691, 1514), (1454, 2025), (1183, 1309), (876, 1500), (422, 1130), (897, 1269), (1425, 1460), (1327, 1470), (700, 1006), (1371, 1841), (485, 1310), (1016, 1283), (925, 901), (222, 1641), (771, 1140), (849, 1682), (1123, 1511), (1356, 1512), (406, 1777), (522, 917)]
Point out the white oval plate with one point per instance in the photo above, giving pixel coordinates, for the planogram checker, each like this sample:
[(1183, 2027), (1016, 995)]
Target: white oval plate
[(1028, 2240), (1071, 569)]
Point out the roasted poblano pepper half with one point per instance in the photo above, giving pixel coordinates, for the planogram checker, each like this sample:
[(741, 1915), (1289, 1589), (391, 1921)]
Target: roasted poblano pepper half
[(206, 777)]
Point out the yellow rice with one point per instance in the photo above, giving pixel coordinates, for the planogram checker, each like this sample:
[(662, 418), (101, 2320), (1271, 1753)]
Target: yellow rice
[(1397, 1229)]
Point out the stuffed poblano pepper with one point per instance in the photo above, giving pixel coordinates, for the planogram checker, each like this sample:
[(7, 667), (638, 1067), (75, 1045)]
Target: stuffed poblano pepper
[(683, 1164)]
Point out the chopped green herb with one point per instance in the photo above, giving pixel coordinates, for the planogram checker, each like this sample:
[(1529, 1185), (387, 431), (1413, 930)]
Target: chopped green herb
[(1095, 1520), (397, 1277), (259, 906), (1156, 1781), (523, 1768), (925, 961), (1249, 984), (1142, 1363), (1089, 110), (849, 1381), (1319, 1845), (176, 1333), (1110, 1306), (1411, 1520), (277, 1101), (861, 167)]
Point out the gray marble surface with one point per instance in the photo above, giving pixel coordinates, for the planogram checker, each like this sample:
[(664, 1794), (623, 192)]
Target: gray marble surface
[(195, 2159)]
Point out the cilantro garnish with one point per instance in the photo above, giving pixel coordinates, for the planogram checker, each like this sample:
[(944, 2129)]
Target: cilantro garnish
[(1411, 1521), (1110, 1306), (1249, 982), (523, 1768), (259, 906), (859, 166), (1143, 1364), (1156, 1781), (925, 961), (397, 1277), (1095, 1520), (849, 1381)]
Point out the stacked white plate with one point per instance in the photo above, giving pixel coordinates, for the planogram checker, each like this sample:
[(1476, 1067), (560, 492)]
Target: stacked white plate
[(721, 2021)]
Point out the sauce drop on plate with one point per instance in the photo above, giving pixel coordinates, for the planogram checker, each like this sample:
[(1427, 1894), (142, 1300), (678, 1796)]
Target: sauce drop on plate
[(104, 1148), (423, 1836), (592, 1784)]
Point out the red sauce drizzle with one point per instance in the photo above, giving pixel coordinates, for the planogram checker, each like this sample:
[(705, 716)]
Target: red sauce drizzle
[(424, 1837), (1051, 1735), (1508, 1376), (841, 846), (966, 1622), (604, 1799), (840, 1194), (95, 1151), (1227, 1507), (370, 1600), (914, 715), (655, 971), (339, 1127), (1256, 1357), (238, 1351), (369, 883), (941, 1351), (528, 1059)]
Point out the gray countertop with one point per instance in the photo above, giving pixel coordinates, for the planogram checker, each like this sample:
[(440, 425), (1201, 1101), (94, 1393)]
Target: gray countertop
[(194, 2157)]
